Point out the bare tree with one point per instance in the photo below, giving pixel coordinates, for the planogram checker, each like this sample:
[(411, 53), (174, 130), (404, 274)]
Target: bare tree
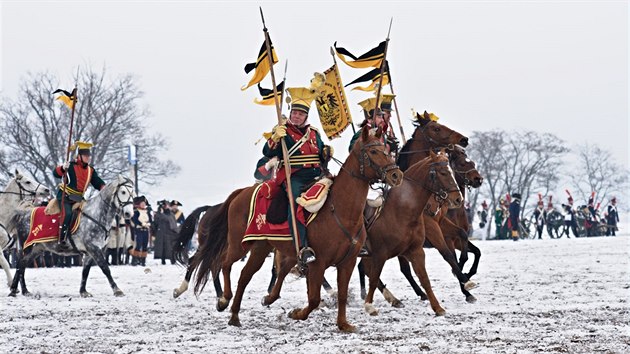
[(512, 162), (35, 127), (533, 163), (598, 172)]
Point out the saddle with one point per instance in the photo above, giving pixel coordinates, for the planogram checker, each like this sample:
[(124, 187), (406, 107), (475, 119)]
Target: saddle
[(45, 228)]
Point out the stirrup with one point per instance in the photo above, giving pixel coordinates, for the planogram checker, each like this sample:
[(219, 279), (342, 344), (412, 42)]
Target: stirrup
[(364, 252), (307, 255)]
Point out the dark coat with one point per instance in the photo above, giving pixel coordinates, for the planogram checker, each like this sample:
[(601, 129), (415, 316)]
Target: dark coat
[(166, 232), (515, 213)]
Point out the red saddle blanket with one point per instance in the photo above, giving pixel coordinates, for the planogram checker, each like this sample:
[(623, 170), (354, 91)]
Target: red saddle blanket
[(257, 226), (45, 228)]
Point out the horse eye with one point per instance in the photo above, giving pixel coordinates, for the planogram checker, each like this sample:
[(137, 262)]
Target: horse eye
[(437, 129), (124, 192), (28, 182)]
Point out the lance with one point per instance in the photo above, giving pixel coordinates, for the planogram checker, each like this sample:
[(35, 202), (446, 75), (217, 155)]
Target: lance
[(65, 174), (332, 52), (285, 152), (380, 80), (391, 86)]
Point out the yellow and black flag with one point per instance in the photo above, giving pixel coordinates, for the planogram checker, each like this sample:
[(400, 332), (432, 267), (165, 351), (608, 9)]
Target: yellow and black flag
[(372, 59), (66, 97), (261, 65), (267, 97), (374, 76), (332, 105)]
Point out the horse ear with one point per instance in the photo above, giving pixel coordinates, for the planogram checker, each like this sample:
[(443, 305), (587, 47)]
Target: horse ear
[(379, 132), (423, 119), (432, 154), (365, 133), (17, 173)]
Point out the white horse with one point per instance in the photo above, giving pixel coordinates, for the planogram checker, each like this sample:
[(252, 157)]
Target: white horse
[(90, 239), (19, 193)]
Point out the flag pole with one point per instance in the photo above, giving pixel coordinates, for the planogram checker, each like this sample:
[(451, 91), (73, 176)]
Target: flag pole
[(65, 173), (332, 52), (285, 152)]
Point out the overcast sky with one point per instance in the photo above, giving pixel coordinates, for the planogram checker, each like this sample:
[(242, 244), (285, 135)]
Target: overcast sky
[(549, 66)]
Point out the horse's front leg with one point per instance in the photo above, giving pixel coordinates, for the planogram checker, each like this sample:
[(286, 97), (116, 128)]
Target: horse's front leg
[(344, 272), (88, 262), (417, 259), (314, 280), (97, 255), (7, 270), (26, 257)]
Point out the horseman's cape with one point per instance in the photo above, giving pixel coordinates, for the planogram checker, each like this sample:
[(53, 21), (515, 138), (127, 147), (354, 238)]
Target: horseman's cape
[(45, 228)]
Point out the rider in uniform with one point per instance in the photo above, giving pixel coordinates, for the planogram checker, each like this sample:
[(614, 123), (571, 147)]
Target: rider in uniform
[(380, 120), (307, 153), (79, 175)]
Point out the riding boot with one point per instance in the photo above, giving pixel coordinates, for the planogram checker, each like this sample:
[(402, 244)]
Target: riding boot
[(307, 255)]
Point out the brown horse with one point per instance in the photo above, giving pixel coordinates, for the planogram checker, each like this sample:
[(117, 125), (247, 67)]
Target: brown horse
[(336, 234), (400, 228), (430, 135)]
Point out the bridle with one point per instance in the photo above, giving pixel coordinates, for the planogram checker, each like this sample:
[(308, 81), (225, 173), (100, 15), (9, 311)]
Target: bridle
[(365, 159), (439, 192), (23, 191), (118, 204)]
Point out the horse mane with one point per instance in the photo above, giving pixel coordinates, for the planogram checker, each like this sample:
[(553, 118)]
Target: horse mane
[(403, 156)]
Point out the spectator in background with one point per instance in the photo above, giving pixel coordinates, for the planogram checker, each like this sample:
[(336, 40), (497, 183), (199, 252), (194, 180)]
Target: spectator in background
[(166, 230), (141, 222), (612, 217), (515, 215), (179, 216), (483, 215)]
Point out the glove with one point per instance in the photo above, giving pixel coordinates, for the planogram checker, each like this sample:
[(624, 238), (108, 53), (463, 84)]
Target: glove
[(65, 166), (273, 163), (279, 132), (327, 152)]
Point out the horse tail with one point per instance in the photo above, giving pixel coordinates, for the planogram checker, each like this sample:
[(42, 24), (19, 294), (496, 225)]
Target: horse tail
[(180, 251), (208, 257)]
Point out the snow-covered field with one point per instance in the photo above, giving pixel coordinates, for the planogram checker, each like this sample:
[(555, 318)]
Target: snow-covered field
[(533, 296)]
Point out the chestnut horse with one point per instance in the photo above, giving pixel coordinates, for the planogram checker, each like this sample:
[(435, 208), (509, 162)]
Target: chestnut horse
[(448, 235), (400, 228), (336, 235)]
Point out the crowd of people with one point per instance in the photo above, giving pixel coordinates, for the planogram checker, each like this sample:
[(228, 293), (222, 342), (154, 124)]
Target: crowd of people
[(507, 222)]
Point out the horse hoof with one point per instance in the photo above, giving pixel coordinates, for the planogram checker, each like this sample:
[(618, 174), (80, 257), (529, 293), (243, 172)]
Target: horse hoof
[(370, 309), (176, 294), (398, 304), (26, 293), (13, 293), (293, 314), (119, 293), (469, 285), (85, 294), (234, 321), (222, 304), (471, 299), (440, 312), (347, 328), (266, 300)]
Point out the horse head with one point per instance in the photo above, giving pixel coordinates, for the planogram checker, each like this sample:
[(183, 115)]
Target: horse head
[(375, 164), (120, 193), (436, 134), (27, 187), (465, 169), (441, 181)]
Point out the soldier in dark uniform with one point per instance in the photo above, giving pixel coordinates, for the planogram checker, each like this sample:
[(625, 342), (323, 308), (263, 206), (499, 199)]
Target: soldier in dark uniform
[(307, 153), (499, 219), (612, 217), (141, 223), (80, 174), (515, 214)]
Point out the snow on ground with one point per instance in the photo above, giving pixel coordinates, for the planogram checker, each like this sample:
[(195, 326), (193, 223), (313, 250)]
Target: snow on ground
[(566, 295)]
